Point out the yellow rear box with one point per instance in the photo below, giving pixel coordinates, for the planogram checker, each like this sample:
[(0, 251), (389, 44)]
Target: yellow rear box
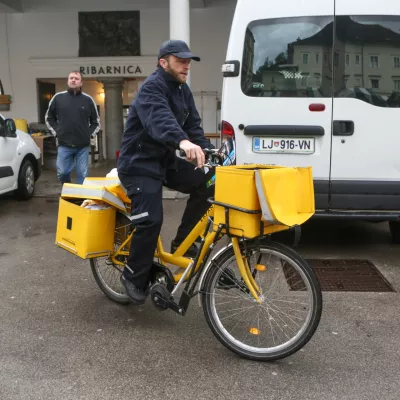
[(85, 232), (284, 197)]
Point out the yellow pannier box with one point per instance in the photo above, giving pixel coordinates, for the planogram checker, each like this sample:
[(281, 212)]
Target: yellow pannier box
[(283, 197), (85, 232)]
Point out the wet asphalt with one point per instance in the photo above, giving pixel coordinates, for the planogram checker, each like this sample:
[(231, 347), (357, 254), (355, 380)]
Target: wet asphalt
[(61, 338)]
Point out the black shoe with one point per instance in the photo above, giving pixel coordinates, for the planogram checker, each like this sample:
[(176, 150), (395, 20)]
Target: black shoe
[(191, 253), (136, 295)]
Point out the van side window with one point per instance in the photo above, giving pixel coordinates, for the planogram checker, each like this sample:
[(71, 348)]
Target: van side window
[(374, 43), (277, 59)]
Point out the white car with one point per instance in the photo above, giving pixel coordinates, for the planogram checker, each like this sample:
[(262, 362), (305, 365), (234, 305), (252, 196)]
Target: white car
[(20, 161), (317, 83)]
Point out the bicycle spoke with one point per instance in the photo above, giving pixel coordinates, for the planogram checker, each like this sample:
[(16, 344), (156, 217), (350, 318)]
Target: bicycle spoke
[(239, 296), (281, 312), (239, 321), (228, 302), (242, 309), (287, 301), (271, 318), (270, 325)]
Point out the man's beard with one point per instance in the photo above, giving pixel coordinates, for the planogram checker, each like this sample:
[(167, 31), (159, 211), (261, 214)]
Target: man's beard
[(76, 88), (175, 74)]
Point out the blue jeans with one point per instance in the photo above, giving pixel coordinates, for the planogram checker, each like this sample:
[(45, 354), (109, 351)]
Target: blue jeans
[(66, 158)]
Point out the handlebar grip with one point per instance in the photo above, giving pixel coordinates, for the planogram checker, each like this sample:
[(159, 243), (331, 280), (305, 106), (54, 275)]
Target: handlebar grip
[(207, 152)]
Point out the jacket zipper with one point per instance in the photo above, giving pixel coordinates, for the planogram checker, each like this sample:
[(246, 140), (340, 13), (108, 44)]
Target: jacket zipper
[(186, 112)]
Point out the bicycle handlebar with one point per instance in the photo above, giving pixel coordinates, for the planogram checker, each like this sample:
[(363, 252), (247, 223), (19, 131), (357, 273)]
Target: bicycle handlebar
[(213, 158), (205, 151)]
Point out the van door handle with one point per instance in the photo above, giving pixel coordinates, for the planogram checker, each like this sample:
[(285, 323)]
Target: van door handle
[(343, 128)]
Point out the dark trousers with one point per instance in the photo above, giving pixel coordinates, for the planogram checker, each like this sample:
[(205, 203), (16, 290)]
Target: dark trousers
[(147, 213)]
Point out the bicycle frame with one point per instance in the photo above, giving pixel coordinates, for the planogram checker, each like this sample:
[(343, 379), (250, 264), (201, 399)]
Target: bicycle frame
[(193, 268)]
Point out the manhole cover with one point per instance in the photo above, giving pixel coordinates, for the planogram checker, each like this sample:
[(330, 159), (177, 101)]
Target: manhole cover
[(342, 276)]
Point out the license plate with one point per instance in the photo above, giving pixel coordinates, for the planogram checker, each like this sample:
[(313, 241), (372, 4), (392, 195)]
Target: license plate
[(283, 145)]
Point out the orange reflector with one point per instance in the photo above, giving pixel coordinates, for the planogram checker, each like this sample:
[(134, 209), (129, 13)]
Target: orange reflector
[(260, 267), (255, 331)]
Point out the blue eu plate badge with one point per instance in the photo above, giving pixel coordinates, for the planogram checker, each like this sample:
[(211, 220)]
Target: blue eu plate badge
[(257, 144)]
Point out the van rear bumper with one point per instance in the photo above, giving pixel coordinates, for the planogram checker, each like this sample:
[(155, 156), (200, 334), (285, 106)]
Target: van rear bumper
[(358, 215)]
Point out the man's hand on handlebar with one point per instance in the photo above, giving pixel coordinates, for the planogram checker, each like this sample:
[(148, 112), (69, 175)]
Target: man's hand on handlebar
[(193, 152)]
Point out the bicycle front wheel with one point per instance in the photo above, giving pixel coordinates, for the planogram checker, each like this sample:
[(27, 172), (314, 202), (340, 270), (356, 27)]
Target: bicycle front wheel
[(290, 308)]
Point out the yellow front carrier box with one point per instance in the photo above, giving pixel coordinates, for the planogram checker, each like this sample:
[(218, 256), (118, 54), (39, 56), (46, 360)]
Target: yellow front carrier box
[(86, 232), (275, 198)]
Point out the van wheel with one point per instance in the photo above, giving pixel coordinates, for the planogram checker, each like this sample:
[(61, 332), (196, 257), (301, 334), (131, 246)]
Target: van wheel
[(395, 231), (26, 181)]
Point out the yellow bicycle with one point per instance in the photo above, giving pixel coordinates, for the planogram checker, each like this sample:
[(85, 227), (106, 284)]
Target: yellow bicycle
[(260, 298)]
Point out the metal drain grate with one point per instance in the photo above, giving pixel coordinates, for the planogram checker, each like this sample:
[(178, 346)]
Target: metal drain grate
[(337, 275)]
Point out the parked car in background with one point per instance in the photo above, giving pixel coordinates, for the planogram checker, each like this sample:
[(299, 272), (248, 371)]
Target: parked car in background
[(20, 161)]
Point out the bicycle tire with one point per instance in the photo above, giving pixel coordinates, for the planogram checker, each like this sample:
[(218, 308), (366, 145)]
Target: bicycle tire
[(267, 354), (102, 281)]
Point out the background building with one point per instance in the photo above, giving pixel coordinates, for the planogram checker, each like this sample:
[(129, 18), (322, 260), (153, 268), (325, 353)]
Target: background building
[(115, 45)]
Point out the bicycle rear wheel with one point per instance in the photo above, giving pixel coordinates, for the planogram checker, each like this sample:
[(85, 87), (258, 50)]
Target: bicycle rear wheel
[(105, 272), (288, 315)]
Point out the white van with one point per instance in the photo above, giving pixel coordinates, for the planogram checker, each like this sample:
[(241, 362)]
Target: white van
[(317, 83), (20, 161)]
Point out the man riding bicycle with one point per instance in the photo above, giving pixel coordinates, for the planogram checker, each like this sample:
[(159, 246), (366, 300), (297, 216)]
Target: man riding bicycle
[(162, 119)]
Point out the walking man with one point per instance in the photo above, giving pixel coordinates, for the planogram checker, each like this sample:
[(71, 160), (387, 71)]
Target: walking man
[(162, 119), (73, 119)]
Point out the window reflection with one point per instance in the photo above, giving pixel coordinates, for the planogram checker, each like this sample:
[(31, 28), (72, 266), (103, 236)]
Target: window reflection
[(282, 58), (374, 43)]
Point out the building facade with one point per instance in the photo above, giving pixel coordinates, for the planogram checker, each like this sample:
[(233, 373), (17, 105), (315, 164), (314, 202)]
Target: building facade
[(115, 46)]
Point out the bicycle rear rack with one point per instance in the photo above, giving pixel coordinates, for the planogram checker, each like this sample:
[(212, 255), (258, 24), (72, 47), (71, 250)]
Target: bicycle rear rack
[(228, 207)]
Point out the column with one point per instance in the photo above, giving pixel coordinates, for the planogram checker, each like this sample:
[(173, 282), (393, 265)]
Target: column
[(114, 123), (179, 21)]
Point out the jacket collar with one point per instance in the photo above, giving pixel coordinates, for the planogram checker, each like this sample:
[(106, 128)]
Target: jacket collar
[(168, 77), (70, 91)]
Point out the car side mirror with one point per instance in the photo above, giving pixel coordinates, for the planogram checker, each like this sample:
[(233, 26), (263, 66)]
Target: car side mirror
[(11, 129)]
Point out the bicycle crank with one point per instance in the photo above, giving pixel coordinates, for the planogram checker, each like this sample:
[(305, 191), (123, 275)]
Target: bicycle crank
[(160, 296)]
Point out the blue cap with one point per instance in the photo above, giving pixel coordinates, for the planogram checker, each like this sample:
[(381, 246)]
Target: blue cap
[(177, 48)]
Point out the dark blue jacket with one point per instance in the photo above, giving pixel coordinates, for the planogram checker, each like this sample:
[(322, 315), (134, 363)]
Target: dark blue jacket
[(162, 115)]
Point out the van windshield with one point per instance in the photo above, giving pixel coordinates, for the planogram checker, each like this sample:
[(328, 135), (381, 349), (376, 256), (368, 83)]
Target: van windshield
[(278, 55)]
